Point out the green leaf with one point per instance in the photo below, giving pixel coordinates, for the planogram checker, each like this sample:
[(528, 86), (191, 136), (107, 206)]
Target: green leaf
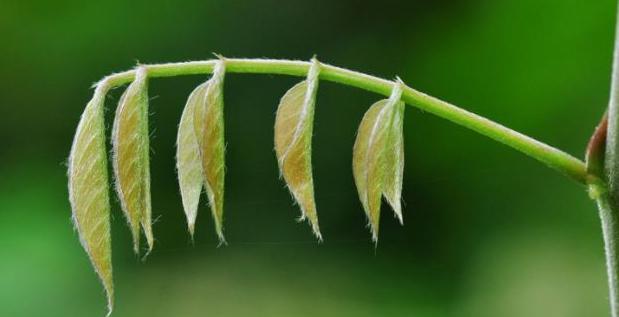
[(394, 162), (293, 143), (378, 158), (209, 130), (130, 145), (89, 191), (188, 162)]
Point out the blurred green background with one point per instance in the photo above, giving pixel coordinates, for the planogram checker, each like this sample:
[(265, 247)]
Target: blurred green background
[(488, 231)]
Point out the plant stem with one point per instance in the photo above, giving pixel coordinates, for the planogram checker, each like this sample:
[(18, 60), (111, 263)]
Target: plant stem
[(609, 216), (552, 157), (607, 202)]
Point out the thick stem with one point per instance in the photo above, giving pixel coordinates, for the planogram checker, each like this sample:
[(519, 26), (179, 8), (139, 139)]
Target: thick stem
[(552, 157), (609, 210), (609, 215)]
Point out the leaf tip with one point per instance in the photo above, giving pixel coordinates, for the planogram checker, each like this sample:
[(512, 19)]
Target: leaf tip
[(110, 301), (374, 223), (150, 241), (313, 222), (374, 231), (397, 210), (191, 229), (398, 214), (317, 233), (221, 238)]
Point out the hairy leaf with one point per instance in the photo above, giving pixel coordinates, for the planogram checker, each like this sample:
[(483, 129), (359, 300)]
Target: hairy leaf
[(131, 158), (209, 131), (89, 192), (394, 162), (378, 158), (293, 143), (188, 162)]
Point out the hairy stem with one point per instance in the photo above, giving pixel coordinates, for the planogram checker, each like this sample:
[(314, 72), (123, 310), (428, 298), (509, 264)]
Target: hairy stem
[(552, 157), (609, 216), (607, 202)]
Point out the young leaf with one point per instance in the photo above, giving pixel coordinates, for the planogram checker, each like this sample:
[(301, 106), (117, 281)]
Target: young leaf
[(131, 158), (378, 158), (394, 162), (89, 192), (209, 131), (293, 143), (188, 162)]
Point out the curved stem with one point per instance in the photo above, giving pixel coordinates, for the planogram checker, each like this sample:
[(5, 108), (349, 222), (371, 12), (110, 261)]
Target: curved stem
[(552, 157)]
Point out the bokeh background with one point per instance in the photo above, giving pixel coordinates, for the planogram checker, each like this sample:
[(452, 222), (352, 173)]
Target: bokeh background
[(488, 231)]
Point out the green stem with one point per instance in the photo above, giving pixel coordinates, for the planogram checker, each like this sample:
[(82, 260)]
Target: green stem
[(609, 216), (607, 202), (552, 157)]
